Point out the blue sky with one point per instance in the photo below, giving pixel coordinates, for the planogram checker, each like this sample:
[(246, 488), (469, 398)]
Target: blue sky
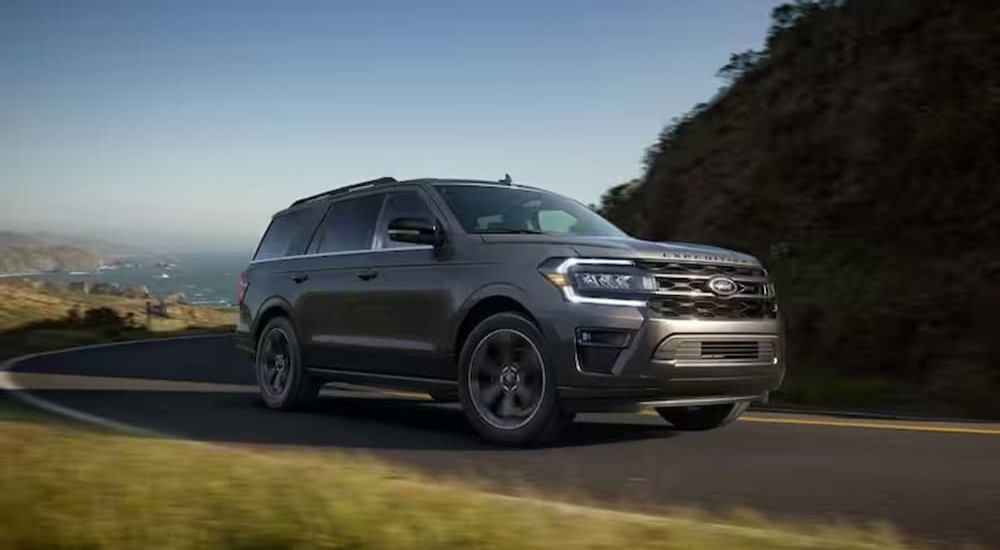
[(187, 124)]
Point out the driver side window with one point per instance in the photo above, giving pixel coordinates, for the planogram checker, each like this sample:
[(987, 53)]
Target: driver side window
[(404, 204)]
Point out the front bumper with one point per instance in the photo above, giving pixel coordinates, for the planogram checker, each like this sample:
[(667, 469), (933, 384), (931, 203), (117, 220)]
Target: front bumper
[(666, 360)]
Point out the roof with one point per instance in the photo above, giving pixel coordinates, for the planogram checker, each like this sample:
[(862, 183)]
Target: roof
[(388, 180)]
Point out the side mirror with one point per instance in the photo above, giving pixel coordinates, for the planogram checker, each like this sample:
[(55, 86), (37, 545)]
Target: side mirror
[(416, 230)]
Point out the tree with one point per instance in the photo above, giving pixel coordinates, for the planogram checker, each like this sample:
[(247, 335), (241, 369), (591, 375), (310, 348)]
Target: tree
[(740, 64), (786, 16), (618, 205)]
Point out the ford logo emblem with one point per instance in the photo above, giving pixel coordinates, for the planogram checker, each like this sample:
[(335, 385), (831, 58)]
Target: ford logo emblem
[(723, 286)]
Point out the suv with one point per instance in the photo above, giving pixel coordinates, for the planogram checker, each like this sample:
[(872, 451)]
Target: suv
[(525, 306)]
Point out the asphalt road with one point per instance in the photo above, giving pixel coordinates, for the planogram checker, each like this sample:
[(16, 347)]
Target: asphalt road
[(936, 485)]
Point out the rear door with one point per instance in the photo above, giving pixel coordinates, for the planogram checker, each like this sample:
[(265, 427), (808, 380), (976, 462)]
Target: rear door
[(278, 262), (334, 303)]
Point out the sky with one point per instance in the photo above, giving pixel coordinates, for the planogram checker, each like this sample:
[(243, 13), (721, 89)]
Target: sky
[(186, 124)]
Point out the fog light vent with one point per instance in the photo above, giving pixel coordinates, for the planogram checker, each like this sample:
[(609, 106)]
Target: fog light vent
[(597, 359), (597, 350), (609, 338)]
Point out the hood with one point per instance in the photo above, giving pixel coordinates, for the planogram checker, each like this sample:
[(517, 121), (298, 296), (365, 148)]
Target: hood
[(631, 248)]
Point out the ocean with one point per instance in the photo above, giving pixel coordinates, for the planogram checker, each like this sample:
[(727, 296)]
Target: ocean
[(204, 278)]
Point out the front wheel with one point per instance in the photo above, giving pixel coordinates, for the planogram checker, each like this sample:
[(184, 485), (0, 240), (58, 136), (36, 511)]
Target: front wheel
[(702, 418), (507, 385)]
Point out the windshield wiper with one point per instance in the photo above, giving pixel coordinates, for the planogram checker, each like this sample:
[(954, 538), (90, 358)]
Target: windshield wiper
[(511, 231)]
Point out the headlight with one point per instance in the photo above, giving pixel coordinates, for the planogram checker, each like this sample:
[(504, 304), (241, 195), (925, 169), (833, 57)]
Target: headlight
[(614, 282), (600, 281)]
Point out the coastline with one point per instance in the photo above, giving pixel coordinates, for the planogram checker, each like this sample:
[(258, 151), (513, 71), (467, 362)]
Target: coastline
[(25, 274)]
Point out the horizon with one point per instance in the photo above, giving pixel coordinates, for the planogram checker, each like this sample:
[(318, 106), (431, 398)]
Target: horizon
[(186, 126)]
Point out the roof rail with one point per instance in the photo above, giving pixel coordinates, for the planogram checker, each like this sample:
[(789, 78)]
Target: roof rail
[(346, 188)]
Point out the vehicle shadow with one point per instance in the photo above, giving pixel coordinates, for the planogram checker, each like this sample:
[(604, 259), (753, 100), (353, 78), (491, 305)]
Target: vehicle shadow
[(346, 420), (409, 423), (430, 417)]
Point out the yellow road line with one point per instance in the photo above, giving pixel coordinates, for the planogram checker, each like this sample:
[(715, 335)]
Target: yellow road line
[(872, 425)]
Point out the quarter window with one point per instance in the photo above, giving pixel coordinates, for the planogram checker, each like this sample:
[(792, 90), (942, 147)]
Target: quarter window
[(288, 234), (349, 225)]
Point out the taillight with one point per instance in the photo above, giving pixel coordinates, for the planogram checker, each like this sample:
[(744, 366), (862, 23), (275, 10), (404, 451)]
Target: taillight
[(241, 289)]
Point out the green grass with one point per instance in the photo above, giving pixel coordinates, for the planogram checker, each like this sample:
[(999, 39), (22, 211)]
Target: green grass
[(65, 488)]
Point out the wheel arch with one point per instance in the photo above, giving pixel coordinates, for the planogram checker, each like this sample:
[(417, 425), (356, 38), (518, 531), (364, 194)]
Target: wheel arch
[(271, 308), (485, 303)]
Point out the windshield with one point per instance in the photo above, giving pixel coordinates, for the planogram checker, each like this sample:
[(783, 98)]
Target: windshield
[(495, 209)]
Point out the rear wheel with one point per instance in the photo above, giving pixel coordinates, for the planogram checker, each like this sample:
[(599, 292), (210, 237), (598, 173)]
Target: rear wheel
[(702, 418), (507, 385), (281, 377)]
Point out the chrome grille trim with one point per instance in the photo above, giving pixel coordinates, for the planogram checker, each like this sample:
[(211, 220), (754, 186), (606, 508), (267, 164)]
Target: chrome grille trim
[(696, 294), (701, 350), (737, 278)]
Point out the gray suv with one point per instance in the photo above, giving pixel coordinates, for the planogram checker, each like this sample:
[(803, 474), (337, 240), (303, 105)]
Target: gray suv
[(523, 305)]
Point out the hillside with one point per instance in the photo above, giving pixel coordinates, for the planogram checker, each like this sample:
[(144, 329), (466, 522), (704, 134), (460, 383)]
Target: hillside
[(859, 156), (23, 252)]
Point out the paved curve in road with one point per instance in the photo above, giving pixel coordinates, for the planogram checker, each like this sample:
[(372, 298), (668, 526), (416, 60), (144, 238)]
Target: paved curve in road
[(937, 486)]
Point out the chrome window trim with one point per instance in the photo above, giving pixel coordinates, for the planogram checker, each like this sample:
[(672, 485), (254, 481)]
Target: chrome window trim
[(344, 252)]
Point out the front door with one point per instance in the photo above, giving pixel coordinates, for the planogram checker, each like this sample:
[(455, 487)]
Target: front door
[(407, 308)]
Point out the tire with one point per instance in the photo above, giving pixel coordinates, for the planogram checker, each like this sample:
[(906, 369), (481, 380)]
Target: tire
[(443, 396), (693, 419), (510, 397), (282, 379)]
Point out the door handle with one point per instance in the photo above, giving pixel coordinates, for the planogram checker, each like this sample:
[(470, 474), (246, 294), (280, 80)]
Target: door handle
[(300, 277), (367, 275)]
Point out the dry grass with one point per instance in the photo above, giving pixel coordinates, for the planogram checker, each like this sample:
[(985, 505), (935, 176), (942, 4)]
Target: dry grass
[(30, 317), (24, 303), (71, 489)]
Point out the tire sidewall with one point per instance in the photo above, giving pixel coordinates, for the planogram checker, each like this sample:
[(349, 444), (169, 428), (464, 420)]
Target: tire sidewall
[(296, 372), (535, 429)]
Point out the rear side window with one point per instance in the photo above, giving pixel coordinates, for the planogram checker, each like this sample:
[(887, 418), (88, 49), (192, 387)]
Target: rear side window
[(288, 234), (407, 204), (349, 225)]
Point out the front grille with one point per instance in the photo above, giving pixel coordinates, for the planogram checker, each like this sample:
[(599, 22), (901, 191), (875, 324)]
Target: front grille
[(715, 308), (683, 291)]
